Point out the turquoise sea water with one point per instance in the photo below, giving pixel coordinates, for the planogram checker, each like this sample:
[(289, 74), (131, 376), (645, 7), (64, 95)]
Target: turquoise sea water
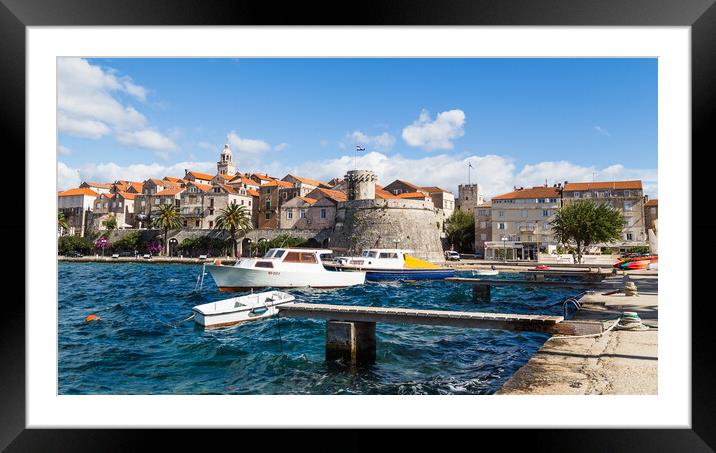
[(135, 350)]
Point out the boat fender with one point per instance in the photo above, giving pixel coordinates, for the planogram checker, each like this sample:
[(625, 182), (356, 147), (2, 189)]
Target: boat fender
[(91, 318), (217, 262)]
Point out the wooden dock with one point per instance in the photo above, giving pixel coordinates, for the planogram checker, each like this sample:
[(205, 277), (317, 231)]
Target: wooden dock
[(350, 329), (505, 282)]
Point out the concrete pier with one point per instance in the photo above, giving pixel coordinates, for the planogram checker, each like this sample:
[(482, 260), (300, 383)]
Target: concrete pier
[(620, 362), (351, 342)]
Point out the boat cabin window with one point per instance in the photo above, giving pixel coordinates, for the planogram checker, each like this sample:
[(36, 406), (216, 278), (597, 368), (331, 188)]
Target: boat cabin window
[(370, 254), (263, 264), (269, 253), (300, 257), (279, 253), (326, 256), (392, 255)]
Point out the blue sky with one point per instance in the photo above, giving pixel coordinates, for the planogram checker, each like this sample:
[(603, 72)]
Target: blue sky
[(518, 121)]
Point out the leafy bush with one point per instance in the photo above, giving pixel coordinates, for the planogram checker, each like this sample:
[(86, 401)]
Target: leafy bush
[(67, 244), (129, 243), (202, 245), (639, 249)]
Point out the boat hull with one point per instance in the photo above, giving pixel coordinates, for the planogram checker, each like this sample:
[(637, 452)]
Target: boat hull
[(408, 274), (238, 310), (231, 278)]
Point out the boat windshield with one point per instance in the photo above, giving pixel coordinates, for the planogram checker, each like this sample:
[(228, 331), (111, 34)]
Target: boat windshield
[(274, 253), (370, 254)]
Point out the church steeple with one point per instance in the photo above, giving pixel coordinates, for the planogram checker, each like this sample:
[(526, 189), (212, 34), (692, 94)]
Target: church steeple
[(225, 165)]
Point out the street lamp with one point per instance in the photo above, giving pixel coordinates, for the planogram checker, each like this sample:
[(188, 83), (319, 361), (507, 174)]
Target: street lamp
[(395, 241), (504, 249)]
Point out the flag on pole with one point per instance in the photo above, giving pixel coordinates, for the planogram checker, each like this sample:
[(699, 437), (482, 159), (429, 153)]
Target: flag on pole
[(359, 148), (469, 164)]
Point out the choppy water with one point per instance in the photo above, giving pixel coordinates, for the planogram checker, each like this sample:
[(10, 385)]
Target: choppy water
[(132, 350)]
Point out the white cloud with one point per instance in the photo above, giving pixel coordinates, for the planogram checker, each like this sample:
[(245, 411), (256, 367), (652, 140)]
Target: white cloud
[(247, 145), (110, 171), (63, 150), (87, 106), (602, 131), (383, 141), (438, 134), (280, 147), (67, 177), (145, 138)]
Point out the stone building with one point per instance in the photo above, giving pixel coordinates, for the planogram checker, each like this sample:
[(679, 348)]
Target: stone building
[(626, 196), (372, 217), (294, 213), (225, 165), (521, 222), (201, 204), (76, 206), (270, 202), (469, 196), (483, 226), (100, 188), (651, 215), (444, 202), (119, 205)]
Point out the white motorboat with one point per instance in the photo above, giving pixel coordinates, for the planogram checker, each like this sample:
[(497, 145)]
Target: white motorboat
[(485, 272), (240, 309), (393, 264), (283, 268)]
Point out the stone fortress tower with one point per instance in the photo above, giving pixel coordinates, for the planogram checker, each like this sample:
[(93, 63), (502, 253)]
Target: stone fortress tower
[(469, 196), (225, 165), (364, 221)]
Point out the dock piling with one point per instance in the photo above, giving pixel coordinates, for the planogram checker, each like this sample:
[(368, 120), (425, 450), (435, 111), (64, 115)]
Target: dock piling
[(481, 293), (353, 342)]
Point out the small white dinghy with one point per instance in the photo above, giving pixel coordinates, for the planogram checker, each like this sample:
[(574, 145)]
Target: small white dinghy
[(240, 309), (485, 272)]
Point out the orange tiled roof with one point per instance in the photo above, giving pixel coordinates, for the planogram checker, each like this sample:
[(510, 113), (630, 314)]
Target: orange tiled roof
[(434, 189), (173, 179), (412, 195), (278, 182), (252, 192), (530, 192), (97, 184), (127, 195), (245, 180), (224, 176), (107, 195), (202, 187), (138, 186), (311, 182), (198, 175), (171, 191), (412, 186), (384, 194), (78, 191), (310, 201), (652, 202), (262, 176), (335, 195), (578, 186)]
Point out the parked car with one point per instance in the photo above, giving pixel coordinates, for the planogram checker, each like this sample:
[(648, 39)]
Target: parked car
[(74, 254), (452, 255)]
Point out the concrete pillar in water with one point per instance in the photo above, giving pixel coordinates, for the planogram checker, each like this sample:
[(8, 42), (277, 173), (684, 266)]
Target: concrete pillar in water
[(353, 342), (480, 293)]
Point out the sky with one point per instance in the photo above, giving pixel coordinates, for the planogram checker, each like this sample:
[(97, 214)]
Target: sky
[(517, 122)]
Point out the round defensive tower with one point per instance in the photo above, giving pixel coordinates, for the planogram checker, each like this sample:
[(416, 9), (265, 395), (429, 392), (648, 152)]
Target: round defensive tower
[(364, 222), (361, 184)]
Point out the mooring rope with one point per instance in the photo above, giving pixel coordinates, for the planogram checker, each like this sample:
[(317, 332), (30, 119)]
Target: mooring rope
[(176, 324)]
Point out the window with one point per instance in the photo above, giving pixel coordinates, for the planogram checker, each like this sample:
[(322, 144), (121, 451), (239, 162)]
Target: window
[(300, 257), (242, 202), (211, 212), (268, 204), (185, 211), (483, 225), (629, 236), (501, 226), (211, 202), (483, 237), (192, 199), (211, 224), (628, 205), (197, 210), (197, 224), (141, 202), (525, 213), (267, 216), (184, 223), (303, 213), (323, 213), (500, 213), (285, 195), (249, 202), (268, 264), (98, 205), (105, 204), (545, 213), (289, 214), (529, 238)]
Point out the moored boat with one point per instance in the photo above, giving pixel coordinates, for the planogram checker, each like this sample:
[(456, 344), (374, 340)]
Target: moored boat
[(283, 268), (486, 272), (392, 264), (235, 310)]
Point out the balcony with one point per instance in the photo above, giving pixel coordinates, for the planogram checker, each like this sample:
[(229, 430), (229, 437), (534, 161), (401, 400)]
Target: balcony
[(528, 229)]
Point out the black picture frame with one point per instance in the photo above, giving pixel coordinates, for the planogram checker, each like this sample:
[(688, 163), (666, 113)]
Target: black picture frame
[(700, 15)]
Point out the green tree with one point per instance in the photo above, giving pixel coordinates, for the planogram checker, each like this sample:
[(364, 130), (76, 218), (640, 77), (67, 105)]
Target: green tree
[(110, 223), (585, 222), (62, 224), (234, 218), (460, 230), (284, 240), (166, 218)]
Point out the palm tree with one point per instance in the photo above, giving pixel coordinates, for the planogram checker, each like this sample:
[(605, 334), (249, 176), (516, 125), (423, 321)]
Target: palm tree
[(166, 217), (234, 218), (110, 223), (62, 222)]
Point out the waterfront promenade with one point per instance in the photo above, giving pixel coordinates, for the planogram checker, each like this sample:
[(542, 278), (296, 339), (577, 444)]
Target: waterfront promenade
[(620, 362)]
